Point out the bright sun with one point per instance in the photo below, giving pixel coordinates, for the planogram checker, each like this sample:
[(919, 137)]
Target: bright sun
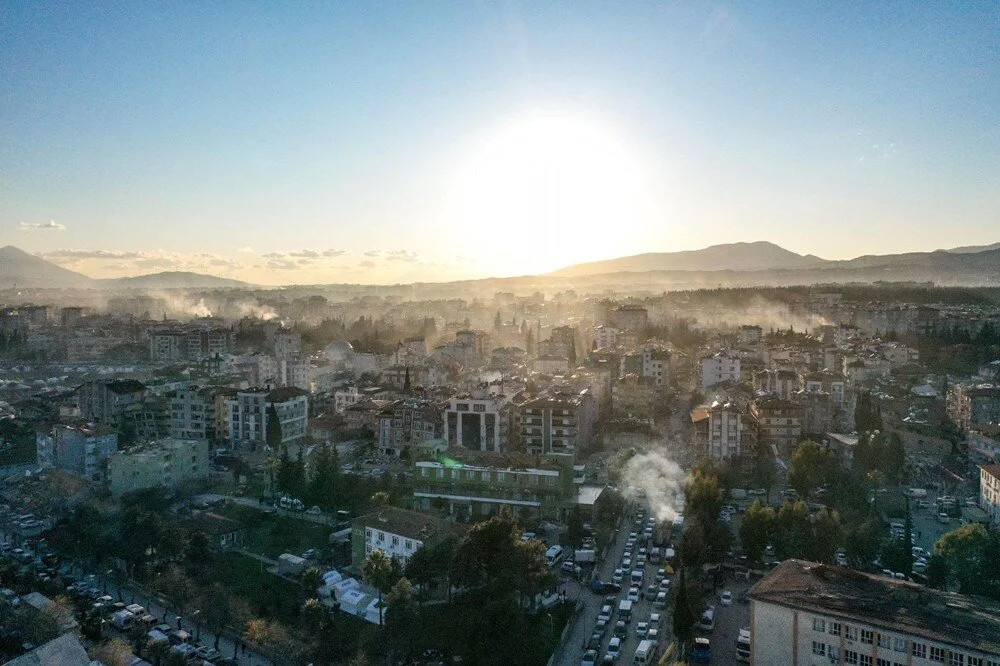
[(547, 191)]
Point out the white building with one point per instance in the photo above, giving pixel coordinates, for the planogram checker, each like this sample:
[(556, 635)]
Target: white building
[(398, 533), (723, 430), (605, 336), (989, 491), (478, 421), (287, 344), (811, 614), (248, 414), (718, 368), (344, 399), (656, 365)]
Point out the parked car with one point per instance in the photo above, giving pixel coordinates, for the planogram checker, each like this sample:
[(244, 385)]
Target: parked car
[(726, 598), (589, 658)]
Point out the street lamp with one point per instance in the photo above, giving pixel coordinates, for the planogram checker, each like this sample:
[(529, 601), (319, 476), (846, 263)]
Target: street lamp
[(197, 627), (105, 585)]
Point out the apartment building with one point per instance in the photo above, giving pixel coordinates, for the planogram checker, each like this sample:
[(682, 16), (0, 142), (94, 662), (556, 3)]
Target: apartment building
[(478, 421), (629, 318), (287, 344), (724, 430), (248, 415), (975, 407), (634, 396), (989, 491), (656, 365), (193, 413), (398, 533), (168, 463), (778, 421), (188, 344), (808, 613), (108, 401), (477, 484), (558, 422), (781, 382), (405, 423), (718, 368), (749, 335), (605, 336), (80, 449)]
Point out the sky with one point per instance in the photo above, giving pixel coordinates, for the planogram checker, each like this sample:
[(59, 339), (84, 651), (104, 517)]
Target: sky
[(373, 142)]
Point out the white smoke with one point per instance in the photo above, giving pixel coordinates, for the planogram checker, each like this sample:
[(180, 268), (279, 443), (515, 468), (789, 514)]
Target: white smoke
[(658, 478)]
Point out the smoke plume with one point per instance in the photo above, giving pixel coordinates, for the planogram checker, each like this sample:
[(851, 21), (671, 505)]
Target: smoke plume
[(660, 478)]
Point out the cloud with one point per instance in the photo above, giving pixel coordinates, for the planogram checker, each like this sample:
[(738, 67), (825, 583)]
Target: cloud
[(305, 256), (334, 253), (367, 264), (127, 261), (373, 253), (400, 255), (246, 249), (51, 224)]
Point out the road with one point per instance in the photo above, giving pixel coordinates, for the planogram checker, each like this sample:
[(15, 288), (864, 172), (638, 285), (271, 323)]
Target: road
[(572, 650), (322, 519)]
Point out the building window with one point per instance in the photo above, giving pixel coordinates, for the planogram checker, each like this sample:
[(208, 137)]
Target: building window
[(865, 660), (409, 545), (368, 534), (867, 636), (819, 648), (833, 654), (819, 624), (850, 657), (381, 536), (882, 662), (918, 650), (976, 661), (834, 628), (851, 633), (899, 644), (956, 659), (395, 541), (937, 654), (883, 641)]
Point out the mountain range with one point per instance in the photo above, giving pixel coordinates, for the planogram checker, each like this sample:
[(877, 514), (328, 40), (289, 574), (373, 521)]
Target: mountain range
[(21, 269), (733, 264), (977, 263)]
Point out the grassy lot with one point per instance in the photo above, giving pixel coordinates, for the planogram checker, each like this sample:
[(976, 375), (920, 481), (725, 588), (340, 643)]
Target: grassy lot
[(268, 595), (272, 535)]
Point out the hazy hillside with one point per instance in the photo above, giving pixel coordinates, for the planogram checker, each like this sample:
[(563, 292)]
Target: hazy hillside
[(172, 280), (757, 256), (20, 269)]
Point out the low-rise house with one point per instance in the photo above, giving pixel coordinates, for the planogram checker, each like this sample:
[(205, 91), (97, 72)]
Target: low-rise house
[(222, 532), (398, 533)]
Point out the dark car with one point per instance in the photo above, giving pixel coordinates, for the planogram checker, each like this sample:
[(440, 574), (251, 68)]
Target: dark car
[(594, 642), (605, 587), (621, 629)]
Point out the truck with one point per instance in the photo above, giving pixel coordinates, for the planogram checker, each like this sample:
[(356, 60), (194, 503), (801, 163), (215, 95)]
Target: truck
[(625, 610), (585, 556)]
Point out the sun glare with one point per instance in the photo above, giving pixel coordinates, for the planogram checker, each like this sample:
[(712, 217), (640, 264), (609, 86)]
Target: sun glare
[(546, 191)]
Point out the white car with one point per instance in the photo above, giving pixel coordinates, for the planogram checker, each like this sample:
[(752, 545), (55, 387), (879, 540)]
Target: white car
[(633, 594), (726, 598), (314, 511), (642, 629), (618, 575), (615, 646)]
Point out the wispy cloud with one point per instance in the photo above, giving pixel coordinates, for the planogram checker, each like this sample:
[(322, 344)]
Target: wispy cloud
[(129, 261), (400, 255), (33, 226)]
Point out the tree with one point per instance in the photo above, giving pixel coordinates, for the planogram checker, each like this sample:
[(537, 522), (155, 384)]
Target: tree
[(827, 535), (756, 531), (763, 473), (311, 580), (811, 466), (115, 652), (313, 615), (862, 541), (683, 614), (793, 532), (965, 551), (574, 528), (216, 610), (907, 541), (401, 614), (380, 499), (704, 497), (492, 556), (272, 428), (937, 572), (199, 550), (378, 572)]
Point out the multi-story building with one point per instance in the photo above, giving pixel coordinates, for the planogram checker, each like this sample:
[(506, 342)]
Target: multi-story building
[(292, 372), (781, 382), (634, 396), (629, 318), (989, 491), (718, 368), (478, 421), (151, 417), (398, 533), (975, 407), (344, 399), (108, 401), (724, 430), (779, 421), (808, 613), (188, 343), (558, 422), (605, 336), (287, 344), (70, 316), (749, 335), (476, 344), (81, 450), (478, 484), (90, 347), (404, 423), (248, 411), (168, 463), (192, 413), (656, 365), (403, 377)]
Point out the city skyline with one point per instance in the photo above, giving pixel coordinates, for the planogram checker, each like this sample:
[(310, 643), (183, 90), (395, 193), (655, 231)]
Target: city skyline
[(315, 144)]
